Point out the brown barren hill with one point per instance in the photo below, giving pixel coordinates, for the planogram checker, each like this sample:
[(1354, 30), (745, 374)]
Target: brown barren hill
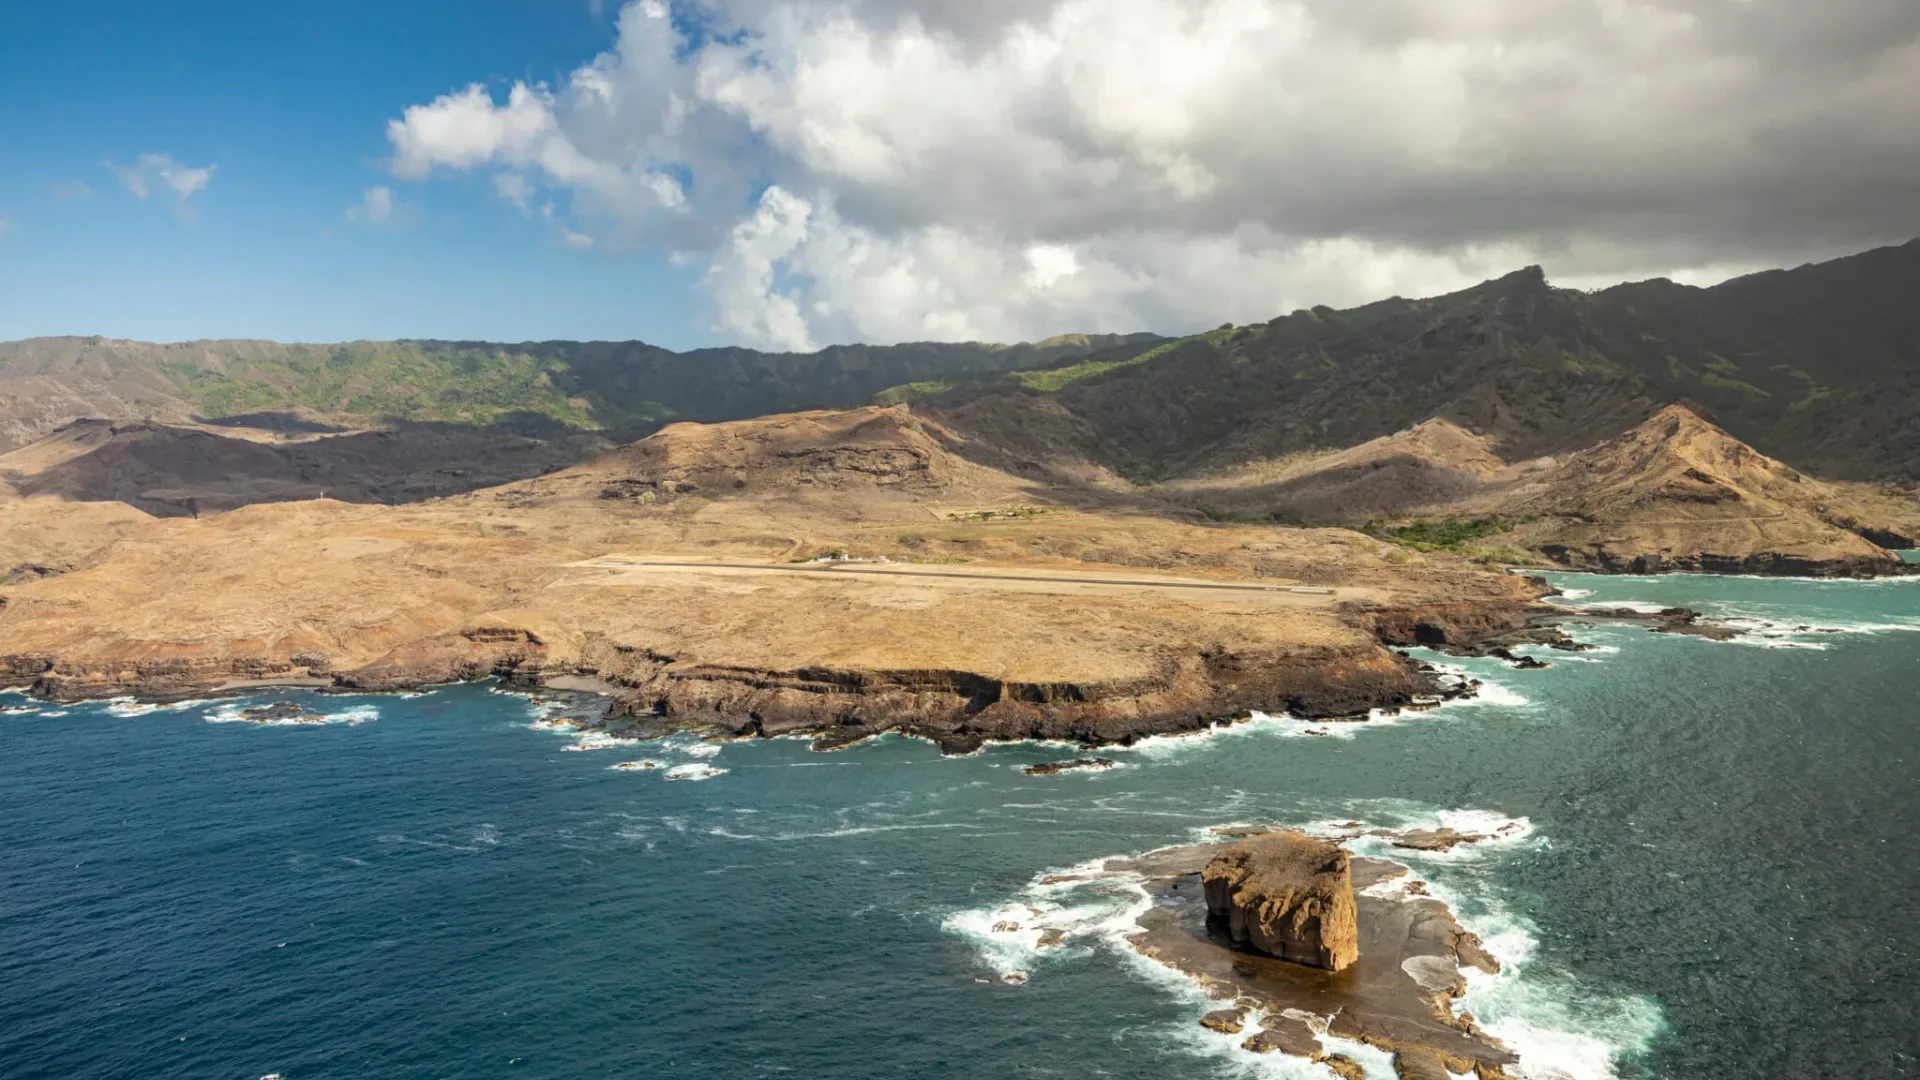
[(1673, 492), (1433, 463), (679, 571), (1678, 493)]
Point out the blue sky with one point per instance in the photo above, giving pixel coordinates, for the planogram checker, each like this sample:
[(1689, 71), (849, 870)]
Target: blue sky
[(787, 174), (289, 103)]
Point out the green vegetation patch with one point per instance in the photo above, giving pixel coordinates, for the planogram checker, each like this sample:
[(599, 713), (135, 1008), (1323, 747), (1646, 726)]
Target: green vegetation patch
[(913, 393), (1051, 380), (392, 380), (1429, 535), (1009, 514)]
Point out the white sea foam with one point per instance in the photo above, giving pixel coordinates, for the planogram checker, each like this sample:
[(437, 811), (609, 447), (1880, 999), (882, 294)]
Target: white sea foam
[(1758, 629), (599, 740), (125, 707), (700, 750), (643, 765), (1560, 1030), (827, 834), (233, 713), (1644, 607), (1280, 725), (1494, 695), (1773, 626), (694, 771)]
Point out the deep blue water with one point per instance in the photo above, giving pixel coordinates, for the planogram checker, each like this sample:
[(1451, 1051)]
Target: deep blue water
[(1715, 875)]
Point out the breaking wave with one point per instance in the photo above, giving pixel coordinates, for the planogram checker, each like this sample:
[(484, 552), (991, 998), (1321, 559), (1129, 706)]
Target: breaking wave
[(233, 713), (1560, 1029)]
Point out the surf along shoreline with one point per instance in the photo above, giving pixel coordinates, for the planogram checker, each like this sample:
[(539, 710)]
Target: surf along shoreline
[(653, 696)]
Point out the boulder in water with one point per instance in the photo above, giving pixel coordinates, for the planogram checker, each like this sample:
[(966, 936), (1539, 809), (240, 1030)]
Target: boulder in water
[(1287, 895)]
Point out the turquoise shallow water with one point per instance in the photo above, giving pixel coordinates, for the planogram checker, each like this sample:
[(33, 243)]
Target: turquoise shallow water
[(1712, 873)]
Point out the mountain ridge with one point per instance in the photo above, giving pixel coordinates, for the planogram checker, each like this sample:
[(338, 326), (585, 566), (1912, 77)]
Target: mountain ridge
[(1541, 369), (625, 388)]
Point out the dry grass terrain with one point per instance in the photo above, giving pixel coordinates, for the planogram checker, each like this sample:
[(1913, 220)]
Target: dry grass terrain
[(991, 576), (1674, 492)]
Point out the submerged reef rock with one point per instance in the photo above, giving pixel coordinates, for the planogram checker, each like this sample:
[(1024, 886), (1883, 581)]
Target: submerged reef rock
[(1049, 768), (1289, 896), (281, 712)]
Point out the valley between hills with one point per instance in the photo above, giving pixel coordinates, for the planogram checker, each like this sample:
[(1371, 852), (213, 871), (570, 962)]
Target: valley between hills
[(1090, 538)]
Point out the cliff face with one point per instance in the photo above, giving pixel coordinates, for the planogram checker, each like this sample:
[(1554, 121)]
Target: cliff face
[(1289, 896), (655, 692), (960, 710)]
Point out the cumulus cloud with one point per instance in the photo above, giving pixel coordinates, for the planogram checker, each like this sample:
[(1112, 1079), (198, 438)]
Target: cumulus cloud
[(374, 208), (161, 169), (888, 169)]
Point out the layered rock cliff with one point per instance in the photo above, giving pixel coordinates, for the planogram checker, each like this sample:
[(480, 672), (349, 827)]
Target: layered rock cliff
[(1289, 896)]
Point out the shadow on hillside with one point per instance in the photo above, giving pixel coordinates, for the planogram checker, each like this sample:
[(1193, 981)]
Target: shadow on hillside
[(1347, 495), (173, 472), (284, 422)]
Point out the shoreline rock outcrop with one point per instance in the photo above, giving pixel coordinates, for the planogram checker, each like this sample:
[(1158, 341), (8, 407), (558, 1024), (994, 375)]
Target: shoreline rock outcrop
[(1286, 895)]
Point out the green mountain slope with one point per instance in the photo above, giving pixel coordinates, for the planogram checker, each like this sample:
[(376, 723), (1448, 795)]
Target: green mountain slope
[(625, 388), (1819, 366)]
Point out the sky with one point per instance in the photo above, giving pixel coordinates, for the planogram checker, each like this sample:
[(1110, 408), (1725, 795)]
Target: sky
[(787, 174)]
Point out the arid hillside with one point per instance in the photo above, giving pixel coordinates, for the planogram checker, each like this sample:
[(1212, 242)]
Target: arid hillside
[(830, 572), (1671, 493)]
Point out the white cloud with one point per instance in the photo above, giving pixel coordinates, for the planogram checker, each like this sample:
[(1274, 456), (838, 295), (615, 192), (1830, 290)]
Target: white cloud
[(513, 187), (61, 191), (1048, 263), (374, 208), (184, 181), (884, 169), (130, 177), (576, 240), (742, 277)]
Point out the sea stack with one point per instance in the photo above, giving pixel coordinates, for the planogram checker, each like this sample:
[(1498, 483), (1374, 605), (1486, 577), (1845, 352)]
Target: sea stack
[(1289, 896)]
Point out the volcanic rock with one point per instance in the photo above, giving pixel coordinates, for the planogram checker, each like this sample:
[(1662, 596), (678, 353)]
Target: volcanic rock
[(1286, 895), (1286, 1034), (281, 712), (1225, 1021), (1049, 768)]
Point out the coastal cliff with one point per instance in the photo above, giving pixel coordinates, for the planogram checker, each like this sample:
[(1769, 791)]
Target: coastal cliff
[(654, 692)]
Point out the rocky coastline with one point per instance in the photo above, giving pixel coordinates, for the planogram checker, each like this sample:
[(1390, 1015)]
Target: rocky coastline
[(1886, 563), (649, 694)]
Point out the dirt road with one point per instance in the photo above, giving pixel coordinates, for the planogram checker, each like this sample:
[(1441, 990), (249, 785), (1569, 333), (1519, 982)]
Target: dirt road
[(626, 569)]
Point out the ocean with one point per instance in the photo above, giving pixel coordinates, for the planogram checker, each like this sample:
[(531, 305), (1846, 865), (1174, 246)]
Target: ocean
[(1708, 869)]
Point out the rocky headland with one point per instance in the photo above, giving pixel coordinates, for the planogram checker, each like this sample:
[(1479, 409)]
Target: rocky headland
[(1353, 948)]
